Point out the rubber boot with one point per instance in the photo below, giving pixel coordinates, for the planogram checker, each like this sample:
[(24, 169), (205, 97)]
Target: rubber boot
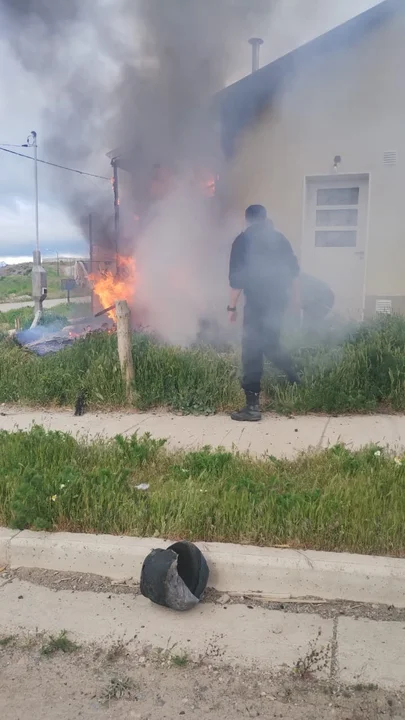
[(251, 411)]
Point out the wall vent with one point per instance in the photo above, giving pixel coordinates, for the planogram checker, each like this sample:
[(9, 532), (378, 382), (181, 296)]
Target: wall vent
[(384, 307), (390, 157)]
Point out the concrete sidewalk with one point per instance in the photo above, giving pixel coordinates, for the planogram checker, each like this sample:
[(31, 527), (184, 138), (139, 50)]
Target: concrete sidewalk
[(275, 435), (353, 649), (5, 307)]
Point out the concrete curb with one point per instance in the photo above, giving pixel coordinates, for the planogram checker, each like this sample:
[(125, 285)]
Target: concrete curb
[(240, 569)]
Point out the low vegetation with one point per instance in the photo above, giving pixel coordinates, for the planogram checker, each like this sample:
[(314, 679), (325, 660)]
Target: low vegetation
[(6, 640), (181, 660), (56, 318), (16, 282), (58, 643), (196, 380), (333, 500), (317, 659), (364, 372), (119, 688)]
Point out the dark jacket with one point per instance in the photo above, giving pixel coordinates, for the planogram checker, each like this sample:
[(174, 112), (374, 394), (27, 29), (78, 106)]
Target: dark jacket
[(263, 265)]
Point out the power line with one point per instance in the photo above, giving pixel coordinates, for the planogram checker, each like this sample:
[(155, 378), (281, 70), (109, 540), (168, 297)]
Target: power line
[(61, 167)]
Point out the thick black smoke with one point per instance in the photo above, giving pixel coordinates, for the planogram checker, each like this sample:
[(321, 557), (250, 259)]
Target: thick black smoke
[(138, 74), (63, 49)]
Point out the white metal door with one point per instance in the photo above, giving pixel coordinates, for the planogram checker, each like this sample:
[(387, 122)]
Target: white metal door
[(335, 237)]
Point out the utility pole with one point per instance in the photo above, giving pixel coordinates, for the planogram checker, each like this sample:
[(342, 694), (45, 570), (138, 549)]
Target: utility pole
[(91, 269), (116, 212), (39, 280), (35, 146)]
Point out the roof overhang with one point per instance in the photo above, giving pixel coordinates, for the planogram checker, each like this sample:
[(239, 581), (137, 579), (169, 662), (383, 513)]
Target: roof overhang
[(241, 103)]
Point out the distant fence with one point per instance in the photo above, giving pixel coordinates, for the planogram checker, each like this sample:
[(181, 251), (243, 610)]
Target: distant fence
[(63, 258)]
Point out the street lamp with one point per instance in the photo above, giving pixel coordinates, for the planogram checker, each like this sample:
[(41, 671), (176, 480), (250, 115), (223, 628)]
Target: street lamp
[(39, 281)]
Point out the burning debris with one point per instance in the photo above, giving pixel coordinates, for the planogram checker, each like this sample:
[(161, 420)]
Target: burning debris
[(110, 287), (45, 343), (43, 340)]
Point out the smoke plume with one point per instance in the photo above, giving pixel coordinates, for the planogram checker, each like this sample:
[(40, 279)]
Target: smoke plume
[(140, 75)]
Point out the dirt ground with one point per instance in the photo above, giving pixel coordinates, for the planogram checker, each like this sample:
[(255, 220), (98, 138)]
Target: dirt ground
[(115, 685)]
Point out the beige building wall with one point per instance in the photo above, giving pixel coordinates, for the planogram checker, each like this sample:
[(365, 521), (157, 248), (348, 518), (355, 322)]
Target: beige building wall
[(349, 103)]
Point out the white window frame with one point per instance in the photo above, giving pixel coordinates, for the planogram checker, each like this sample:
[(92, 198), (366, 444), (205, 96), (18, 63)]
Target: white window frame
[(350, 177)]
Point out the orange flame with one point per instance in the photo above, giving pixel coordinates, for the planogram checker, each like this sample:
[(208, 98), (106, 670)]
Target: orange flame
[(208, 183), (110, 287)]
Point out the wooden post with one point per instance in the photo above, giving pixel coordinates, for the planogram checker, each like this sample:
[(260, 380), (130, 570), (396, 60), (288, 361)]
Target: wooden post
[(114, 164), (124, 335)]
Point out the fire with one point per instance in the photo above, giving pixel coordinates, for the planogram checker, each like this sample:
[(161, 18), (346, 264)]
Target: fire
[(82, 332), (208, 184), (110, 287)]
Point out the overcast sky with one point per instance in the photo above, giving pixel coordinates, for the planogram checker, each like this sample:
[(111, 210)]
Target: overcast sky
[(22, 105)]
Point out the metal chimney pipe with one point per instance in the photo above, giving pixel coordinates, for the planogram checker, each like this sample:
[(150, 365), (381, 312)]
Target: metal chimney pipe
[(255, 43)]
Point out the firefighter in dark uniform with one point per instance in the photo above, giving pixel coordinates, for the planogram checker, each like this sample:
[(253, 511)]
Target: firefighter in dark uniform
[(264, 268)]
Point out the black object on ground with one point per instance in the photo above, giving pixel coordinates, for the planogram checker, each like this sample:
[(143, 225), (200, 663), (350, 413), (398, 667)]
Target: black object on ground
[(176, 577), (104, 311), (80, 406)]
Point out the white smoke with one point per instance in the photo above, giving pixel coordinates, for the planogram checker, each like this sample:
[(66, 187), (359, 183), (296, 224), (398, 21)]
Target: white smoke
[(142, 74)]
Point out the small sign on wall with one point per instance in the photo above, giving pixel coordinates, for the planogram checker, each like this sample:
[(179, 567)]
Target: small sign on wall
[(383, 307)]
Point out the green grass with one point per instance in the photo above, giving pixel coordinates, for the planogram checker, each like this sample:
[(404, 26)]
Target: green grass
[(57, 316), (363, 373), (15, 286), (181, 660), (193, 381), (59, 643), (335, 500)]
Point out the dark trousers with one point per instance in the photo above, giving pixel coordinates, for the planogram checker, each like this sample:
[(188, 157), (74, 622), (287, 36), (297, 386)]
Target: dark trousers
[(261, 337)]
